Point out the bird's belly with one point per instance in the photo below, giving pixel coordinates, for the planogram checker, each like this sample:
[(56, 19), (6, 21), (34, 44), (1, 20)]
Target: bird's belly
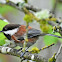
[(30, 42)]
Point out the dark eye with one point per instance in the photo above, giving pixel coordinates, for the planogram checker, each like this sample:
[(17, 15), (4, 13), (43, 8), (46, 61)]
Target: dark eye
[(5, 28)]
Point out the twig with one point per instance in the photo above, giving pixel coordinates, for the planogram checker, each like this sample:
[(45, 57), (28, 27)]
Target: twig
[(26, 39), (47, 46), (54, 8), (38, 50), (29, 7), (59, 51), (43, 34)]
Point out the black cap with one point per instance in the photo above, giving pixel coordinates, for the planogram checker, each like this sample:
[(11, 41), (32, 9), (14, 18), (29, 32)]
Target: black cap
[(10, 27)]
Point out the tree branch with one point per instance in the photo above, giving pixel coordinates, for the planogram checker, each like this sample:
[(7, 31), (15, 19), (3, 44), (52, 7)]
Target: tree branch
[(27, 55), (29, 7), (59, 51), (54, 8)]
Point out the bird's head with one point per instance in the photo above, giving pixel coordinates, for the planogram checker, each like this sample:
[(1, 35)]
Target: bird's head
[(10, 29)]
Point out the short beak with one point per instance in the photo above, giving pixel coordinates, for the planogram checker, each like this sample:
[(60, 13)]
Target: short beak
[(1, 31)]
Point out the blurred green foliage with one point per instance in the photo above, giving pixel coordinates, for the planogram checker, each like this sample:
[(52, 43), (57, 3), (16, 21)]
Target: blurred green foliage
[(2, 37), (4, 9), (28, 18), (50, 39), (59, 4)]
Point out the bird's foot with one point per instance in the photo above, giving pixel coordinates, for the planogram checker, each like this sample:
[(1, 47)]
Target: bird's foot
[(19, 49), (23, 53)]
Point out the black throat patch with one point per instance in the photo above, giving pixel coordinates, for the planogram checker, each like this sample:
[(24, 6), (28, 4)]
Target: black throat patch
[(7, 36)]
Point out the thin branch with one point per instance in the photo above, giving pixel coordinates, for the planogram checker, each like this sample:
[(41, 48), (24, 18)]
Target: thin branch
[(26, 39), (59, 51), (29, 7), (43, 34), (43, 48), (47, 46), (54, 8), (13, 5)]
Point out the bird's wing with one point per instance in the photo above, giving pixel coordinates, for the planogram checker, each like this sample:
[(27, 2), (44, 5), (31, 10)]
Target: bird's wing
[(33, 33)]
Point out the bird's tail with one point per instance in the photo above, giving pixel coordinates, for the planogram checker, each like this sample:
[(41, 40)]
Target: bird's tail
[(43, 34)]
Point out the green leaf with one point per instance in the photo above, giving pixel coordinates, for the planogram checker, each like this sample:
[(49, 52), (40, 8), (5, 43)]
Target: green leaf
[(2, 37), (2, 42), (50, 39)]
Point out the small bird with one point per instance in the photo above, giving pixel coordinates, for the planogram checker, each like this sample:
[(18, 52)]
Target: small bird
[(17, 33)]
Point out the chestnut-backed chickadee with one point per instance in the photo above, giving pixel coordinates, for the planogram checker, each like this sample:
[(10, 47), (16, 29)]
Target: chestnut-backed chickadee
[(17, 33)]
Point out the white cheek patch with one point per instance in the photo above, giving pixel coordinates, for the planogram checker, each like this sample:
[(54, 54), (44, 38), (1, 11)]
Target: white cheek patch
[(11, 32)]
